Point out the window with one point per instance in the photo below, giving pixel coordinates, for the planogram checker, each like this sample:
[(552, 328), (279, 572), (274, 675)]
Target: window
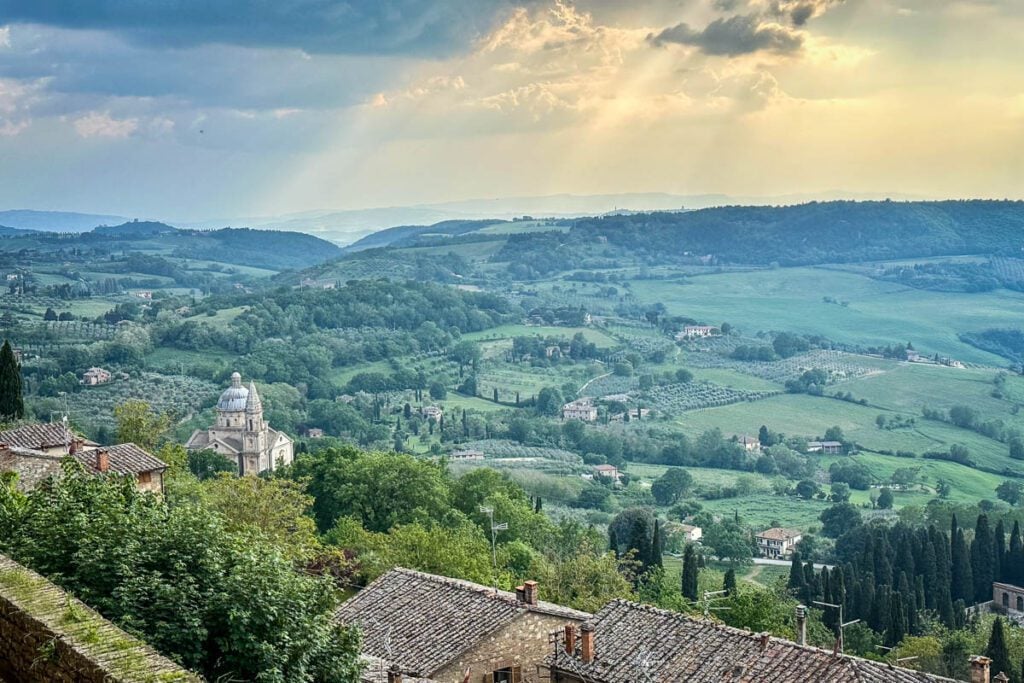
[(1006, 600), (509, 674), (145, 477), (1020, 603)]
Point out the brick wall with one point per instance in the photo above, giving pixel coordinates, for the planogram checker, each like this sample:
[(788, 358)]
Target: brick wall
[(524, 643), (47, 635)]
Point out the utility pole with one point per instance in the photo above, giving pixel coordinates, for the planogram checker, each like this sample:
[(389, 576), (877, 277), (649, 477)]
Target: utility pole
[(842, 624), (495, 528)]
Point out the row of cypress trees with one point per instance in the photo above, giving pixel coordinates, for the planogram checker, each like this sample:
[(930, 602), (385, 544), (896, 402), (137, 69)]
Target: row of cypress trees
[(886, 576)]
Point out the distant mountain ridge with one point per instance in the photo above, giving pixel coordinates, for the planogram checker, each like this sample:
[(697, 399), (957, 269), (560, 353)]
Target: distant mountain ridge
[(56, 221)]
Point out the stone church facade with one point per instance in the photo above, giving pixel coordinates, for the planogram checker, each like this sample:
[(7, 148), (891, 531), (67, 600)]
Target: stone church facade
[(241, 434)]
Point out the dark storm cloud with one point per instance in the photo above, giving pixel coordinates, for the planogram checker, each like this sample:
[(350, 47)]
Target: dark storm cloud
[(736, 35), (420, 27)]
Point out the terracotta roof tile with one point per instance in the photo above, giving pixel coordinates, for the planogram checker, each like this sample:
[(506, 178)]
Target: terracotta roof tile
[(421, 622), (37, 435), (125, 458), (635, 642)]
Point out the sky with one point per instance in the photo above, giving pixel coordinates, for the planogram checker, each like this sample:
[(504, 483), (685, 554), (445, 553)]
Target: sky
[(199, 109)]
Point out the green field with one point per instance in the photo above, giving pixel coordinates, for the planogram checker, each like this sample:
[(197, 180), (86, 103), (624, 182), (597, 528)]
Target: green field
[(878, 312)]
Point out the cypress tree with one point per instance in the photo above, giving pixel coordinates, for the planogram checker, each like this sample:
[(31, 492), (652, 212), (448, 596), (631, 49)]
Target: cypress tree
[(730, 582), (1000, 551), (997, 650), (12, 404), (689, 587), (657, 546), (909, 599), (878, 620), (897, 627), (983, 558), (640, 541), (961, 578), (926, 564), (1015, 561), (613, 542), (796, 573)]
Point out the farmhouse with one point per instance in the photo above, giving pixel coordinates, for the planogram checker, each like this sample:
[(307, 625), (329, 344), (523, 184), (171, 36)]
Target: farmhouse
[(580, 409), (94, 376), (825, 447), (449, 631), (467, 454), (627, 642), (691, 533), (749, 443), (145, 294), (696, 332), (432, 412), (608, 472), (777, 543), (241, 434), (315, 433)]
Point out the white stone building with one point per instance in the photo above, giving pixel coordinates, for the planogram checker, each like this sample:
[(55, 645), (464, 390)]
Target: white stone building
[(241, 434)]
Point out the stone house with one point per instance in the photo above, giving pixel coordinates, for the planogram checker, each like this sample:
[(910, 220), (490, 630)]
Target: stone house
[(432, 412), (695, 332), (420, 625), (691, 533), (34, 465), (777, 543), (1008, 597), (825, 447), (580, 409), (94, 376), (628, 643)]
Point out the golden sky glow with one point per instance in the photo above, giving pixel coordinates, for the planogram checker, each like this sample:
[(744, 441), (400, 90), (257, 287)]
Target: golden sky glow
[(742, 97)]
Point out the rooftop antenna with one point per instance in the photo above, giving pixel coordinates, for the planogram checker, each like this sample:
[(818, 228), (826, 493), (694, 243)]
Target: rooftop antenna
[(495, 528), (709, 598), (64, 421), (842, 624)]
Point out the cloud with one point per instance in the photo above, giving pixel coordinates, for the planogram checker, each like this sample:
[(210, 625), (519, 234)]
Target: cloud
[(103, 125), (799, 12), (5, 36), (422, 27), (737, 35)]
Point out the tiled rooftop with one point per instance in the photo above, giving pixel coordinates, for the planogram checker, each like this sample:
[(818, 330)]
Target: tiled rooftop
[(634, 642)]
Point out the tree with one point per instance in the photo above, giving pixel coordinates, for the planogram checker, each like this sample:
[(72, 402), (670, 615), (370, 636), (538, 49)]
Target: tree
[(997, 649), (12, 405), (379, 489), (764, 437), (465, 353), (272, 508), (1017, 448), (840, 492), (224, 603), (207, 463), (1010, 491), (839, 519), (690, 571), (549, 401), (671, 486), (885, 499), (138, 424), (983, 560), (835, 434), (806, 489), (729, 585), (438, 392)]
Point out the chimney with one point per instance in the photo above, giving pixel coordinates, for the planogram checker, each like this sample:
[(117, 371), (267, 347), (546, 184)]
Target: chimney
[(570, 639), (102, 460), (801, 624), (1001, 677), (394, 674), (980, 669), (587, 643), (520, 594), (76, 446), (764, 640), (530, 592)]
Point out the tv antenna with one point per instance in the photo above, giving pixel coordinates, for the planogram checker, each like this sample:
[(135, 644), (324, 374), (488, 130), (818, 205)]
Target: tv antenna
[(495, 528), (842, 624), (708, 600)]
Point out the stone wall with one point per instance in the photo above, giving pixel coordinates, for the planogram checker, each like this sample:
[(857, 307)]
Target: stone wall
[(47, 635), (522, 643)]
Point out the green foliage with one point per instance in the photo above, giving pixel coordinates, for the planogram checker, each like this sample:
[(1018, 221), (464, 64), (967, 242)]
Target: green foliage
[(223, 603), (12, 405), (138, 424), (671, 486), (379, 489)]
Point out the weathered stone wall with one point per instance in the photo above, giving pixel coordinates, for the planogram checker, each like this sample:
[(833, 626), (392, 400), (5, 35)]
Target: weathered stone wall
[(47, 635), (523, 643)]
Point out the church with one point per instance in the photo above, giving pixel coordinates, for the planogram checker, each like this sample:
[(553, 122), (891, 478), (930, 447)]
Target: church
[(241, 434)]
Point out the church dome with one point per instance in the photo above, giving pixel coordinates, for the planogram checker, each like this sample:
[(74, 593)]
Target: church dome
[(234, 397)]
